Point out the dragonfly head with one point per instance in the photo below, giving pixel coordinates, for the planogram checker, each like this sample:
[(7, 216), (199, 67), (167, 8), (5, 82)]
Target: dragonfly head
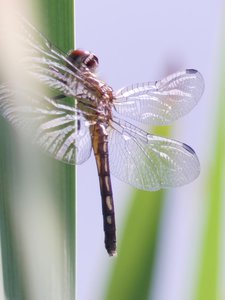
[(83, 59)]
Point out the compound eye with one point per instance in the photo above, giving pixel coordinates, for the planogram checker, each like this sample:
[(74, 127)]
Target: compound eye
[(77, 57), (81, 57)]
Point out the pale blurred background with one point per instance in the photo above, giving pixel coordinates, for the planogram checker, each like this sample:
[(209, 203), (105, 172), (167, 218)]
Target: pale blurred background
[(137, 42)]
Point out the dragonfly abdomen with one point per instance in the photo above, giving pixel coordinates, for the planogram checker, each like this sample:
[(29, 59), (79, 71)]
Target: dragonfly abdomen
[(100, 147)]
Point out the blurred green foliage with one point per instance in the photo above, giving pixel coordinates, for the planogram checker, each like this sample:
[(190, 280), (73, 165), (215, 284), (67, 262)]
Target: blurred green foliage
[(57, 23)]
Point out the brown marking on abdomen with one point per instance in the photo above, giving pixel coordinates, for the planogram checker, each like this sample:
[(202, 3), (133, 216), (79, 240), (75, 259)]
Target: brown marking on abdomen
[(100, 147)]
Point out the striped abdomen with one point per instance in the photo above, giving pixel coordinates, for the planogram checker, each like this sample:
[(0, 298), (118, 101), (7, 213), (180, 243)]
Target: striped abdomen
[(100, 147)]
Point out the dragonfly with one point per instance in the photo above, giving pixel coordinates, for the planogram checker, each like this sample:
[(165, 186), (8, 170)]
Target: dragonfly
[(104, 121)]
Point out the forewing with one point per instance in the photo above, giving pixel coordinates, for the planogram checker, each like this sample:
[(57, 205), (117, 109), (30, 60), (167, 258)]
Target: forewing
[(149, 162), (49, 65), (161, 102), (59, 129)]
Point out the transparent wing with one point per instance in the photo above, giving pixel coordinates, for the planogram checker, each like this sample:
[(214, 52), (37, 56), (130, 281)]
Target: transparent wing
[(149, 162), (49, 65), (161, 102), (57, 128), (66, 138)]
